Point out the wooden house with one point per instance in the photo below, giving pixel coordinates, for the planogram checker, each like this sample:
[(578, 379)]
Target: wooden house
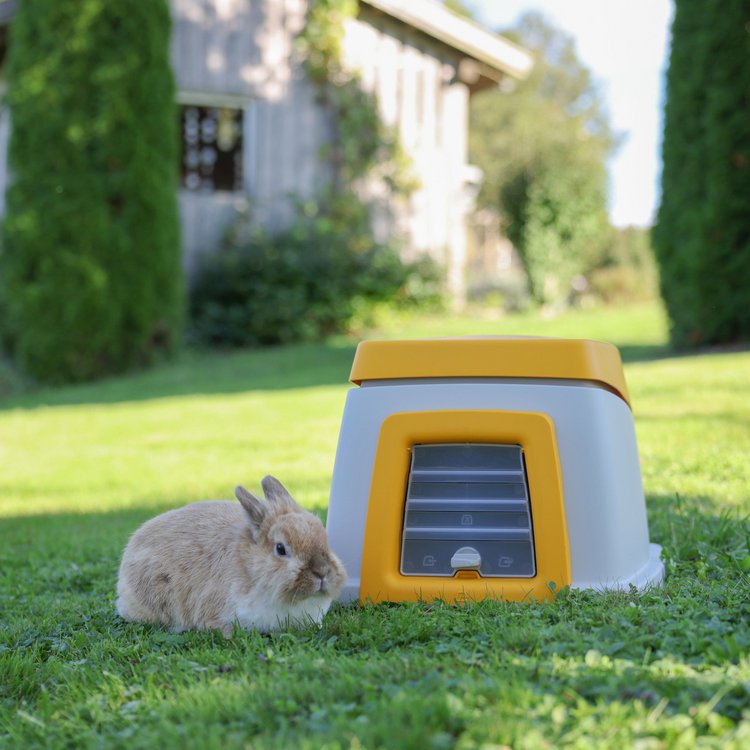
[(252, 129)]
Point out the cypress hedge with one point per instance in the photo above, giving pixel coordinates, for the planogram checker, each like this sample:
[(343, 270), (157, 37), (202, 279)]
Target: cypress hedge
[(702, 238), (90, 268)]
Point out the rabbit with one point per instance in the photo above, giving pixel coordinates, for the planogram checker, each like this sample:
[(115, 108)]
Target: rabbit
[(209, 565)]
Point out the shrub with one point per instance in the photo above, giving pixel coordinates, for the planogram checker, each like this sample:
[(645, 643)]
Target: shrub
[(303, 284), (620, 285), (626, 269), (423, 288), (90, 270)]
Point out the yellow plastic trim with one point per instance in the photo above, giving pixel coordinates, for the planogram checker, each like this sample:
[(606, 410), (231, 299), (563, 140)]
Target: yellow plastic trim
[(492, 357), (381, 579)]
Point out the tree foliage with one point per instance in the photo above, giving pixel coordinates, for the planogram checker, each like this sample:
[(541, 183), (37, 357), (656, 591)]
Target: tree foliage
[(459, 8), (702, 238), (543, 148), (90, 273)]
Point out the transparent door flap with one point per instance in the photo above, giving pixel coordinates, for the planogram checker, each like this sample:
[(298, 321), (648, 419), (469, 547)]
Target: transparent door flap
[(467, 496)]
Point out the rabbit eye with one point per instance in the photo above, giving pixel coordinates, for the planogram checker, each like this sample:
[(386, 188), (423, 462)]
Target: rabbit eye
[(280, 549)]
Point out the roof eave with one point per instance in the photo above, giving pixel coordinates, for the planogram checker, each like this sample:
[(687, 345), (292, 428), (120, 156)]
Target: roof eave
[(462, 34)]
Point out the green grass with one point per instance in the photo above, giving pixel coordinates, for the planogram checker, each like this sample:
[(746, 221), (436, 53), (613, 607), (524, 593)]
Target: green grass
[(83, 466)]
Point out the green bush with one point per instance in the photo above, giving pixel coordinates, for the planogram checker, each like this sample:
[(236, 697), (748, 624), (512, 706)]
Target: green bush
[(620, 285), (626, 269), (90, 270), (303, 284)]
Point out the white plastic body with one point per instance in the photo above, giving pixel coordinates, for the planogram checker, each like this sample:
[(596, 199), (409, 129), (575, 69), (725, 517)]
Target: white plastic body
[(605, 507)]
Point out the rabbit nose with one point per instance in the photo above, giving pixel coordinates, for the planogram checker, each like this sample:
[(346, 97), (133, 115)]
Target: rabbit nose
[(321, 576)]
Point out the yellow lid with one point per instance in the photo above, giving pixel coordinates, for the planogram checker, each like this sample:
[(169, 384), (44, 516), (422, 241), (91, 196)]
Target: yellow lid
[(492, 357)]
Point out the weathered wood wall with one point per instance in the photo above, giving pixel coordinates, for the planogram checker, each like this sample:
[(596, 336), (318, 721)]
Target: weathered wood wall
[(240, 53), (415, 81)]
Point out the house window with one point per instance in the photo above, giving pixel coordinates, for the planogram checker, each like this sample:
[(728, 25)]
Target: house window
[(211, 148)]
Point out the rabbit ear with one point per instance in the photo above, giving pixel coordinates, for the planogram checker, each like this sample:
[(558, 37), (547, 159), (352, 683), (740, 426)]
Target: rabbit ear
[(256, 509), (277, 494)]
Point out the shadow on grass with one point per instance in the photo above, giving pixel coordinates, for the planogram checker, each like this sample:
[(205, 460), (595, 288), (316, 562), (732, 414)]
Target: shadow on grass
[(207, 372), (645, 352), (69, 533), (631, 353), (68, 553)]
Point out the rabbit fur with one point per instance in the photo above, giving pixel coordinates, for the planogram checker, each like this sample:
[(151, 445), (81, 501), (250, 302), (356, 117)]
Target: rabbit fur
[(263, 565)]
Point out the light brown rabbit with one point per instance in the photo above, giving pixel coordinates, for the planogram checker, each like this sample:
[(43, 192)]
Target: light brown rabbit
[(209, 565)]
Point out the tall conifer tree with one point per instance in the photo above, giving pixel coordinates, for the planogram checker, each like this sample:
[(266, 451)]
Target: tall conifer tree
[(702, 239), (90, 272)]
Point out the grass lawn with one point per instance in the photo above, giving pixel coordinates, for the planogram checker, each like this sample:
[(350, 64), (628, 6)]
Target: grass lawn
[(83, 466)]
